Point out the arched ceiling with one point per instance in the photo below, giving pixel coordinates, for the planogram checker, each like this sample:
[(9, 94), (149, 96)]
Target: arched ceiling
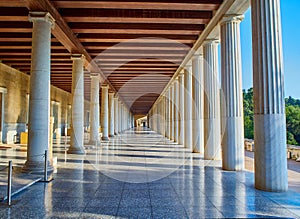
[(137, 45)]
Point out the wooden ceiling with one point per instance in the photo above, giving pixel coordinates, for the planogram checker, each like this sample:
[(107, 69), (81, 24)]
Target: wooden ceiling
[(137, 45)]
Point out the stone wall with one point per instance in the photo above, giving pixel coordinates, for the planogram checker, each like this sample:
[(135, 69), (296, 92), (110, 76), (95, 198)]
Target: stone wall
[(293, 151), (15, 102), (14, 87)]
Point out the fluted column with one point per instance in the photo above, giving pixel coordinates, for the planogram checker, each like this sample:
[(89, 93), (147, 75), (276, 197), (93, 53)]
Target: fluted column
[(188, 107), (176, 110), (94, 109), (232, 99), (168, 113), (269, 105), (172, 111), (181, 108), (162, 116), (212, 132), (104, 112), (111, 114), (76, 141), (116, 115), (198, 104), (39, 106), (120, 117), (156, 117)]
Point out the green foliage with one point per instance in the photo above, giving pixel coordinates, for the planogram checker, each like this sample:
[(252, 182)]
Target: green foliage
[(292, 117), (248, 113), (293, 124)]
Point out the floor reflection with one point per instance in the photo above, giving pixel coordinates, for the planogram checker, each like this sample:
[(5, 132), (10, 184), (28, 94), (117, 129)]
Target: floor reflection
[(140, 174)]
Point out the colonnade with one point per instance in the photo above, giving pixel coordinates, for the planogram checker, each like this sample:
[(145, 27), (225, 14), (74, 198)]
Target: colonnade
[(193, 110), (115, 115), (209, 115)]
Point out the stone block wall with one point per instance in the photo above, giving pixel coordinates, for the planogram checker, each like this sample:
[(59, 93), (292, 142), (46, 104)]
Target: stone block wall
[(14, 88)]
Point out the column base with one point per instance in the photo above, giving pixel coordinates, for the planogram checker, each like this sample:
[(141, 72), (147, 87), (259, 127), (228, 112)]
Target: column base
[(116, 133), (110, 135), (36, 167), (93, 142), (76, 151), (104, 138)]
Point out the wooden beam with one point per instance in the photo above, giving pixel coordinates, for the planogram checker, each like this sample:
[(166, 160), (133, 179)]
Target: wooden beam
[(167, 5), (63, 33)]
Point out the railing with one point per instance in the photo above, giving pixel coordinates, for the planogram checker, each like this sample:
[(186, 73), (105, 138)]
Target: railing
[(293, 151), (10, 180)]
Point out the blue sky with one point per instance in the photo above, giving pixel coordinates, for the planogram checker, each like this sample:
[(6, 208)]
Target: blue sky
[(291, 47)]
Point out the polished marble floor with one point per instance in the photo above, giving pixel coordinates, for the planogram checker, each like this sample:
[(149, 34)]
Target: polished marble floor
[(140, 174)]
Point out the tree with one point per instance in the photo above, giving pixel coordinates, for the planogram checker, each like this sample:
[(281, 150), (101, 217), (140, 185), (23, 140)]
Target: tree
[(292, 117), (248, 113)]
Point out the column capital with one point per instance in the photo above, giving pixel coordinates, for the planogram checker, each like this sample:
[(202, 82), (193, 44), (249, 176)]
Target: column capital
[(41, 16), (111, 93), (77, 57), (211, 41), (187, 67), (105, 86), (116, 96), (94, 75), (197, 56), (180, 74), (228, 18)]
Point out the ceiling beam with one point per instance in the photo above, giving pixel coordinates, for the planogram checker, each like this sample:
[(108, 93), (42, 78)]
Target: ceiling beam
[(156, 5)]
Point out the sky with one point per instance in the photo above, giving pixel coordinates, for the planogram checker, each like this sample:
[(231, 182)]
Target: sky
[(290, 22)]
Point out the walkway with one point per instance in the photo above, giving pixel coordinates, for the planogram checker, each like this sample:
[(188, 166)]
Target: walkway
[(142, 175)]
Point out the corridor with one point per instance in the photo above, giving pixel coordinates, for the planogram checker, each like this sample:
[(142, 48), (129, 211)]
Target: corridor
[(140, 174)]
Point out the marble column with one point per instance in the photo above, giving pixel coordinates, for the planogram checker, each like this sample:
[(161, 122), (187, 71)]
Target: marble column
[(198, 103), (176, 110), (181, 108), (116, 115), (188, 100), (111, 114), (76, 141), (269, 105), (120, 117), (104, 112), (167, 132), (212, 123), (157, 118), (39, 106), (94, 109), (172, 111), (232, 95), (163, 113)]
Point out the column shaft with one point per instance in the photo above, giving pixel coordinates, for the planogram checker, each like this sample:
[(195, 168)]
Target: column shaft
[(104, 112), (116, 116), (77, 118), (198, 104), (176, 110), (111, 112), (167, 132), (188, 108), (181, 108), (212, 132), (232, 96), (172, 112), (120, 116), (94, 110), (269, 105)]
